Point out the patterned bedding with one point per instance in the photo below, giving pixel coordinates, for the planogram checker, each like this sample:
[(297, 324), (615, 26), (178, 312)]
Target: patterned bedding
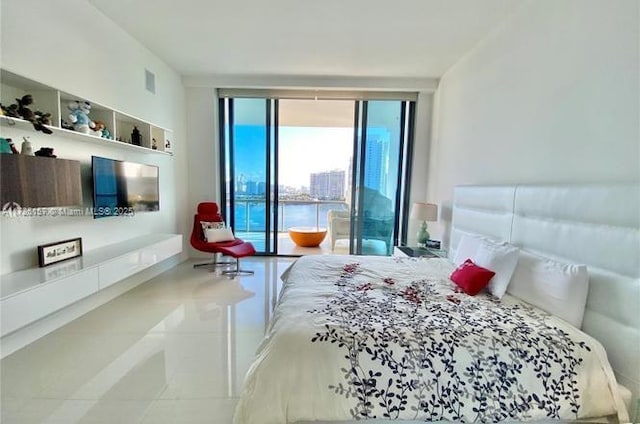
[(357, 338)]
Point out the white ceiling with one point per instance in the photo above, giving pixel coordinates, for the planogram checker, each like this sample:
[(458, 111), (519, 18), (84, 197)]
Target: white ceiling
[(375, 38)]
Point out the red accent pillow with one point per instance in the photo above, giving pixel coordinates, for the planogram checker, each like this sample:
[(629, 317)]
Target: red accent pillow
[(471, 278)]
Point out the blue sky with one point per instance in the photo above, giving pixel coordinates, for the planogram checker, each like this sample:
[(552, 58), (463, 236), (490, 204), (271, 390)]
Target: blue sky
[(303, 150)]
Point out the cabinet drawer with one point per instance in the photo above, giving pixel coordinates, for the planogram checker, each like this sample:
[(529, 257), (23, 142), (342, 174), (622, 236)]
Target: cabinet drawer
[(124, 266), (160, 251), (27, 307), (120, 268)]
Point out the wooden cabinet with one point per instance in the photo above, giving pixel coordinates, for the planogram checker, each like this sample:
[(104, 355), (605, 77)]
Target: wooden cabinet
[(33, 181), (55, 102)]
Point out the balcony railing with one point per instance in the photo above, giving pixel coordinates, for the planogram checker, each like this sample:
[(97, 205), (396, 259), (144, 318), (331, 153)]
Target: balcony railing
[(251, 216)]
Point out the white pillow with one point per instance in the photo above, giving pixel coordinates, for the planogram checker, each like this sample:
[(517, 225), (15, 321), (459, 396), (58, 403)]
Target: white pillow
[(215, 235), (558, 288), (216, 224), (500, 258), (467, 248)]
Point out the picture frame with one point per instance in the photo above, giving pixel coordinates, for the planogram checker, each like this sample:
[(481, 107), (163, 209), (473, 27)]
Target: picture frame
[(59, 251), (433, 244)]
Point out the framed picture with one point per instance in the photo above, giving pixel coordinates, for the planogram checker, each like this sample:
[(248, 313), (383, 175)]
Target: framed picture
[(59, 251), (433, 244)]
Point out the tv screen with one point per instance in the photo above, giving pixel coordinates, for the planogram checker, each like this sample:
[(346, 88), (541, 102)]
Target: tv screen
[(123, 188)]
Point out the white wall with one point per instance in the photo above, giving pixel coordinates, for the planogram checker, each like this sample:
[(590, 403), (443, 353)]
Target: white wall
[(70, 45), (420, 168), (202, 122), (550, 96)]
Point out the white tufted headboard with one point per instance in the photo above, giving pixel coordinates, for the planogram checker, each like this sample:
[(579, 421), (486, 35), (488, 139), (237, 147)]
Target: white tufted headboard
[(597, 225)]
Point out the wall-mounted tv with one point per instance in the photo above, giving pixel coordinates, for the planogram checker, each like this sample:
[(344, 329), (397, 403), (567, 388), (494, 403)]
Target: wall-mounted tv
[(123, 188)]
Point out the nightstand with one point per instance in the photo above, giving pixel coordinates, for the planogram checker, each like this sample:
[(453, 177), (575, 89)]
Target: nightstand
[(419, 252)]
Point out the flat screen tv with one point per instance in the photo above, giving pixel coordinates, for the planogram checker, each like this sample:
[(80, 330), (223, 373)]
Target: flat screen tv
[(123, 188)]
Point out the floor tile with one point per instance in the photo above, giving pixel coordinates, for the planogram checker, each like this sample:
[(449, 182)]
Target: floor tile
[(172, 350), (62, 411), (59, 364), (191, 411)]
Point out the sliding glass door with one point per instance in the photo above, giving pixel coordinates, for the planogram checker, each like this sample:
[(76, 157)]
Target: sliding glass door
[(379, 188), (304, 163), (247, 149)]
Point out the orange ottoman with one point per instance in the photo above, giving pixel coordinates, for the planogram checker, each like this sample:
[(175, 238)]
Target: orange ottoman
[(307, 236)]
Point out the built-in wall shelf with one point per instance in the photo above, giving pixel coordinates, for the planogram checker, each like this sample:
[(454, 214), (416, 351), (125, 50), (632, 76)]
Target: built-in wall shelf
[(51, 100), (74, 135)]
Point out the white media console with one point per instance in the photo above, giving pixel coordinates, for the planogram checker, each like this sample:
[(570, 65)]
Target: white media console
[(28, 296)]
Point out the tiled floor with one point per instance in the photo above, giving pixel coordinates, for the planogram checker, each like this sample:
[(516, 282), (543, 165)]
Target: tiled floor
[(173, 350)]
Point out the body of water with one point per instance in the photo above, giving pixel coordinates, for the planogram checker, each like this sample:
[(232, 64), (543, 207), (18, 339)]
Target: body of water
[(251, 217)]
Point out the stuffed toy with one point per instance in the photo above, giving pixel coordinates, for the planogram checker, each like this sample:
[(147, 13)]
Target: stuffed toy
[(66, 125), (29, 115), (5, 147), (106, 133), (21, 110), (101, 130), (42, 118), (79, 116), (97, 129), (46, 152), (23, 107), (11, 111)]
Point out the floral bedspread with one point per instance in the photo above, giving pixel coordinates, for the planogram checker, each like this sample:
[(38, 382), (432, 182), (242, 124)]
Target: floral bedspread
[(356, 338)]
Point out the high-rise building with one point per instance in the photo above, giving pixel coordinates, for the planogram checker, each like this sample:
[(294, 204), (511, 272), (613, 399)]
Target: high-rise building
[(327, 185), (248, 187), (241, 184), (261, 188), (376, 166)]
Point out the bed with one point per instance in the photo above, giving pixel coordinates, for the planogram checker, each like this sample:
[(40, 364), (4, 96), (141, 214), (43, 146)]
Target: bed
[(363, 338)]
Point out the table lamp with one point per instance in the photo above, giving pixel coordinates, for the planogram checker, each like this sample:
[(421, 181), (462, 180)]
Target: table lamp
[(424, 212)]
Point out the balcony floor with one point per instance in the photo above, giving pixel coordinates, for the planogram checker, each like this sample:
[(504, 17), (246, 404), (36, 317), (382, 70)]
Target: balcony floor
[(287, 247)]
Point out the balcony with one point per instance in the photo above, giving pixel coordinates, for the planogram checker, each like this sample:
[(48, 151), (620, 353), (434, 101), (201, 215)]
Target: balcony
[(250, 226), (250, 223)]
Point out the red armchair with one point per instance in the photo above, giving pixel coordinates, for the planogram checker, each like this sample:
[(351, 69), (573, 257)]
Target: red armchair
[(209, 212)]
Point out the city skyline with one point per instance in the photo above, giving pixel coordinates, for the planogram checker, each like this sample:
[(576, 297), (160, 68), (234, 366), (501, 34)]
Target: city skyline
[(322, 150)]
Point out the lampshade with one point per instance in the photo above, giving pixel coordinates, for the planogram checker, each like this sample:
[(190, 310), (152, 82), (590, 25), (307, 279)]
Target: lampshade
[(424, 211)]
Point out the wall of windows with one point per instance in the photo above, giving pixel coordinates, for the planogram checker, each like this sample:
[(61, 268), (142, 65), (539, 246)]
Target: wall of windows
[(288, 162)]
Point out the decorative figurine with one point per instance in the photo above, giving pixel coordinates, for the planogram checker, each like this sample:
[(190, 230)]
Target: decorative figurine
[(136, 138), (12, 145), (154, 145), (46, 152), (26, 148)]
